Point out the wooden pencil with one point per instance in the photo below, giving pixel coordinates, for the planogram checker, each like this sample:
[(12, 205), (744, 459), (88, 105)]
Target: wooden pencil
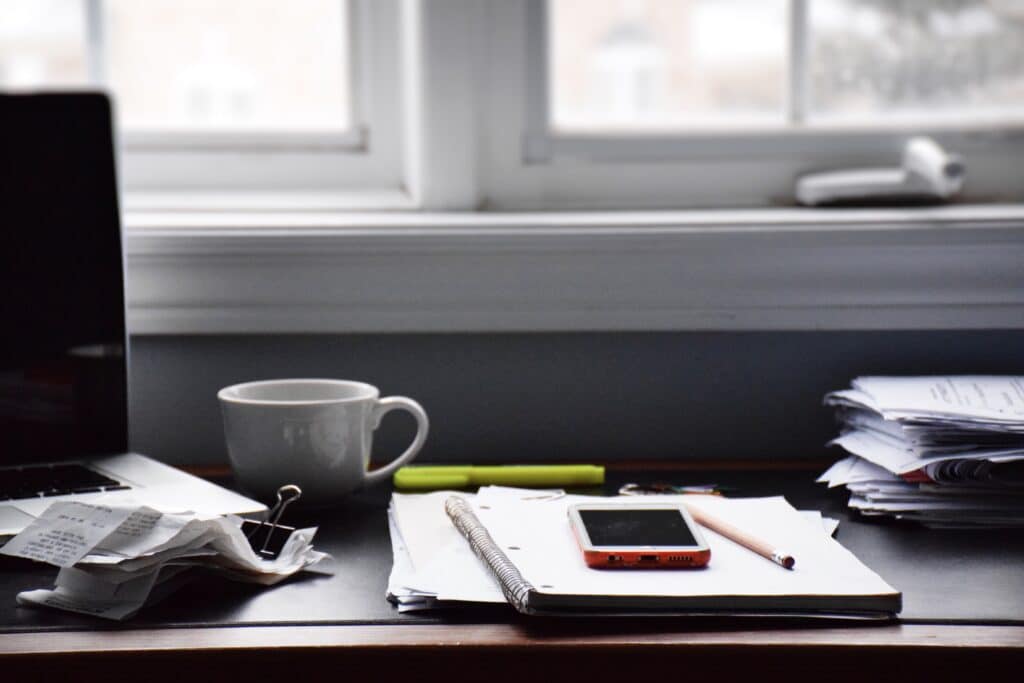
[(745, 539)]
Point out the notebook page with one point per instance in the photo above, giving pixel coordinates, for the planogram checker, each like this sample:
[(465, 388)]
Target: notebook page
[(537, 537), (423, 524), (440, 561)]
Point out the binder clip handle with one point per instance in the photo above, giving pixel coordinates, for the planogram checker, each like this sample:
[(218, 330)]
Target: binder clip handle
[(272, 532)]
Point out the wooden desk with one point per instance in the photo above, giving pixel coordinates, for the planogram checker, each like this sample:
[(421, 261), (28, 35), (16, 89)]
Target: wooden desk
[(962, 616), (516, 652)]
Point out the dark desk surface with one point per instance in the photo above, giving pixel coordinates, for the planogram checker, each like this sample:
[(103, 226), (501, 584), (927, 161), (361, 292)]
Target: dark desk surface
[(961, 590)]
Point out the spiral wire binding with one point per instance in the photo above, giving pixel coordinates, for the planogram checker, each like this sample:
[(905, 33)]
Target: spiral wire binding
[(515, 588)]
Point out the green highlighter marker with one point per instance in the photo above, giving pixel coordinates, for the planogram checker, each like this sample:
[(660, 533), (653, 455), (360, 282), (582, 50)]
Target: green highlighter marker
[(434, 477)]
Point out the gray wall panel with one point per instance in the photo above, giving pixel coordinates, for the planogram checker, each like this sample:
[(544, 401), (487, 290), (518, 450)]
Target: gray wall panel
[(581, 396)]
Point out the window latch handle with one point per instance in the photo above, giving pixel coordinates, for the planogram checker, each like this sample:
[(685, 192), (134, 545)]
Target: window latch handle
[(927, 171)]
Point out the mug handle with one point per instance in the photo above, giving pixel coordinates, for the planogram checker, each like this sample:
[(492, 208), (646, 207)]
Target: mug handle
[(385, 406)]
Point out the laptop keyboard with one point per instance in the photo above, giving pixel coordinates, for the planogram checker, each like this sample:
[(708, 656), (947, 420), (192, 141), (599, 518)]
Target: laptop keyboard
[(54, 480)]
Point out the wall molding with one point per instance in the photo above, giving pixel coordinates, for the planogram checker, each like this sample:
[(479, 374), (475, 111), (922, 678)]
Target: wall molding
[(779, 269)]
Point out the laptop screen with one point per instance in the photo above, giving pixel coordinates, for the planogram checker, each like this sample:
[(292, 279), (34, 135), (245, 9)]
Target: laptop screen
[(63, 379)]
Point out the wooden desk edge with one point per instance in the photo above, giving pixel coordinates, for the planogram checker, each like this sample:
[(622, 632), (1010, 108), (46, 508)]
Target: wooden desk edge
[(506, 636)]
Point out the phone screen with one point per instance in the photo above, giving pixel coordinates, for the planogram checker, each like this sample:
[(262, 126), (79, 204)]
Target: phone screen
[(629, 527)]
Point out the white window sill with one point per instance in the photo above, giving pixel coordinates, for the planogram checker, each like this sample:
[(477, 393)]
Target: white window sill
[(260, 271), (168, 209)]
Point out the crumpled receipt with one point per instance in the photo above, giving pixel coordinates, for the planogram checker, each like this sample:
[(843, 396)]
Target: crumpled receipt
[(115, 558)]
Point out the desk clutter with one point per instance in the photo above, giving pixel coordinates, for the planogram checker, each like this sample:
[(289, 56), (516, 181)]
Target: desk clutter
[(947, 452), (116, 559), (506, 545)]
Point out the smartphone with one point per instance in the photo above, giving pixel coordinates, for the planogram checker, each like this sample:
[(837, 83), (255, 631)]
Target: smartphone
[(645, 536)]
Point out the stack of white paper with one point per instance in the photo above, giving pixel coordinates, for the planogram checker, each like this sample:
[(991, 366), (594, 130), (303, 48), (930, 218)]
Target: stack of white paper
[(435, 567), (946, 451), (115, 558)]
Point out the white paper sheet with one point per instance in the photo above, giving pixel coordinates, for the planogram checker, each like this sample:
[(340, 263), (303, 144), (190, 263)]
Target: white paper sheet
[(900, 459), (433, 562), (66, 532), (113, 557), (452, 573), (537, 537), (854, 470), (985, 397)]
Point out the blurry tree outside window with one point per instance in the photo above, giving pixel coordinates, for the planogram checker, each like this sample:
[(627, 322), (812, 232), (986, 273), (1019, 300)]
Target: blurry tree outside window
[(664, 65), (189, 65)]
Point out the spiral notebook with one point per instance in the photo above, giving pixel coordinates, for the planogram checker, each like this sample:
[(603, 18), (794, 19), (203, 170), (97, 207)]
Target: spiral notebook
[(528, 548)]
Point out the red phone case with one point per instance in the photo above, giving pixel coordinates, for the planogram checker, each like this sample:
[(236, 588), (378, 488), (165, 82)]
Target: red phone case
[(642, 559)]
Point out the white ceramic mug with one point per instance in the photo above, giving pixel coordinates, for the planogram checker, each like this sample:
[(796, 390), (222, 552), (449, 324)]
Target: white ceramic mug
[(316, 433)]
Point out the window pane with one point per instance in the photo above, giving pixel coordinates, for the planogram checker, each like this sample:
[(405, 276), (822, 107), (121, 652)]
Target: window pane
[(916, 58), (197, 65), (42, 43), (645, 65)]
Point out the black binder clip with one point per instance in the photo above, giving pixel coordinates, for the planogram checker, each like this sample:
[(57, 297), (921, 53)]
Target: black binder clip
[(268, 538)]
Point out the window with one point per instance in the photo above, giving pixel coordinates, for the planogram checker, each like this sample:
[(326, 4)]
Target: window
[(528, 104), (688, 65), (228, 95), (677, 103), (260, 135), (664, 66), (225, 67)]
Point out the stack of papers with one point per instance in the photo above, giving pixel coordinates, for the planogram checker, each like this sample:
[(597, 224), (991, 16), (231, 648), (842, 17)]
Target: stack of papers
[(944, 451), (435, 567), (114, 559)]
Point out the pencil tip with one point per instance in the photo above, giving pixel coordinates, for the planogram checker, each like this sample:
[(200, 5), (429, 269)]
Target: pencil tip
[(783, 559)]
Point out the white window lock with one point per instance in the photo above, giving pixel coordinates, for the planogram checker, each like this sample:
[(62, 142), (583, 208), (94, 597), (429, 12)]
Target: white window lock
[(927, 172)]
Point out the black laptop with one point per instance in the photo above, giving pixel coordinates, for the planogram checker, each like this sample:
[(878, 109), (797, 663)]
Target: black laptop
[(63, 348)]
